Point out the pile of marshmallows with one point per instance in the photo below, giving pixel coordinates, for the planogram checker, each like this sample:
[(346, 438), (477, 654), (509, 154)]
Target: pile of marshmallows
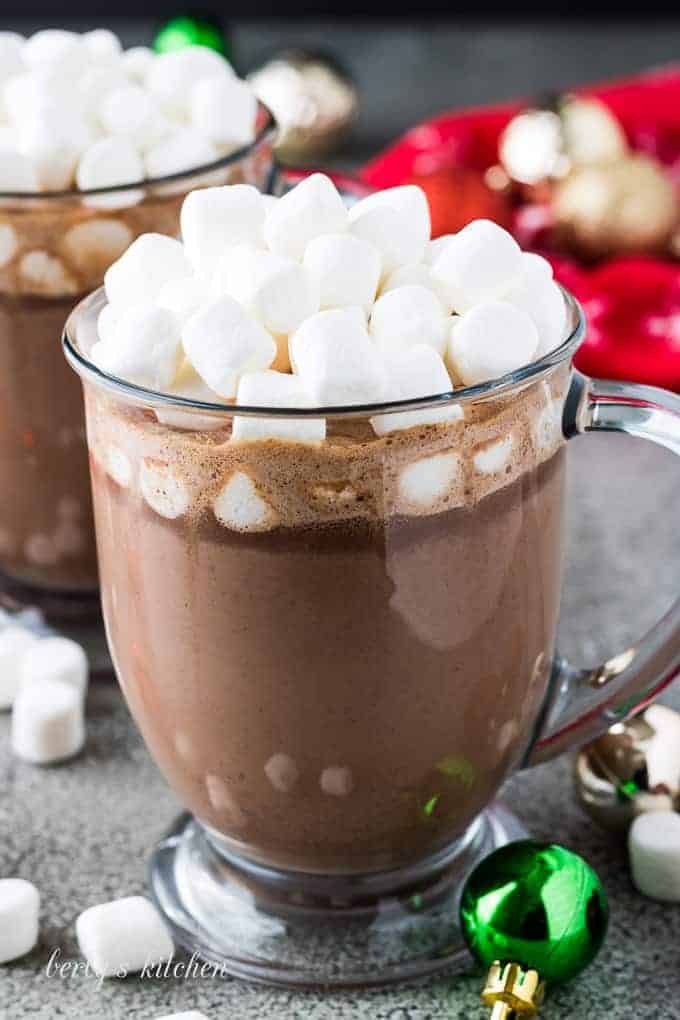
[(78, 110), (353, 306)]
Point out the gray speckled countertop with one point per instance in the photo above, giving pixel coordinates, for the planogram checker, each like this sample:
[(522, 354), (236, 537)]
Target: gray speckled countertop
[(82, 831)]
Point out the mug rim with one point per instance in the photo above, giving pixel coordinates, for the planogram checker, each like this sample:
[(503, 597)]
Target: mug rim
[(267, 129), (149, 398)]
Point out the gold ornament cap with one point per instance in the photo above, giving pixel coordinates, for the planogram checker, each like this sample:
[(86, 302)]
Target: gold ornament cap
[(512, 992)]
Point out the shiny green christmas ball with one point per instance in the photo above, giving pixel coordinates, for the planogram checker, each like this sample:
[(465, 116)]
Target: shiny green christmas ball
[(535, 904), (184, 31)]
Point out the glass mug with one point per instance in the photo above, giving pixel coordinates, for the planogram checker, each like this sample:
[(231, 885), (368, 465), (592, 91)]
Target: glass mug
[(55, 248), (338, 652)]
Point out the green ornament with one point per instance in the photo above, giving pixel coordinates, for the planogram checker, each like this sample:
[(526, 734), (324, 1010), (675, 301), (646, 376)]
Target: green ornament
[(178, 33), (536, 905)]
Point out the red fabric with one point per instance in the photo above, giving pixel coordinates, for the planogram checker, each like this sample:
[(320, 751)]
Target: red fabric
[(632, 304)]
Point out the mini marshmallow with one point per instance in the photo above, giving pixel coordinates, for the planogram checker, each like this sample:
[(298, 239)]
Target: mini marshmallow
[(425, 481), (151, 262), (277, 291), (282, 772), (224, 109), (491, 340), (275, 389), (396, 222), (56, 658), (542, 300), (136, 62), (183, 297), (163, 490), (314, 207), (336, 359), (130, 112), (53, 142), (336, 781), (92, 245), (417, 372), (222, 342), (535, 269), (55, 47), (107, 164), (214, 219), (183, 149), (239, 506), (15, 643), (47, 722), (435, 247), (190, 385), (102, 44), (46, 274), (107, 320), (118, 466), (494, 456), (123, 937), (97, 83), (16, 172), (346, 270), (654, 849), (145, 348), (19, 913), (408, 316), (420, 274), (479, 264), (9, 243), (172, 76)]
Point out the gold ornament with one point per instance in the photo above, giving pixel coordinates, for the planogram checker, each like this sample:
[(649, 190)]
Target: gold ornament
[(512, 992), (632, 769), (313, 100), (615, 208)]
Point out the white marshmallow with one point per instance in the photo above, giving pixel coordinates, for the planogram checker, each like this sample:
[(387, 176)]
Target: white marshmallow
[(435, 247), (654, 849), (9, 243), (396, 222), (19, 913), (46, 274), (491, 340), (129, 112), (11, 62), (417, 372), (336, 359), (277, 291), (190, 385), (15, 643), (224, 109), (56, 658), (275, 389), (183, 149), (542, 299), (663, 749), (408, 316), (494, 456), (118, 466), (139, 275), (214, 219), (99, 81), (102, 45), (427, 480), (123, 936), (416, 273), (479, 264), (93, 245), (16, 172), (136, 62), (47, 722), (240, 507), (44, 91), (57, 48), (54, 142), (336, 781), (222, 342), (282, 772), (312, 208), (165, 492), (346, 270), (107, 320), (172, 76), (535, 268), (183, 297), (145, 348), (107, 164)]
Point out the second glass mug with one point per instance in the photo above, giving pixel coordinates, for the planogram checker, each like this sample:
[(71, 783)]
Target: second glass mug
[(55, 248), (338, 652)]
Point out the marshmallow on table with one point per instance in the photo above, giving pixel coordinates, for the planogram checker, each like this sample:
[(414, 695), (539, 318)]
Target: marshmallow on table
[(56, 658), (478, 264), (654, 849), (346, 270), (275, 389), (337, 361), (109, 163), (396, 222), (144, 349), (222, 342), (214, 219), (224, 109), (417, 372), (15, 643), (19, 912), (182, 150), (312, 208), (123, 936), (47, 722), (420, 274), (491, 340), (407, 316), (140, 274), (275, 290), (172, 76)]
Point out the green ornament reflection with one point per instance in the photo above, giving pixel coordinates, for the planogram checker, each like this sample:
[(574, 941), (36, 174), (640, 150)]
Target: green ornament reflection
[(178, 33), (535, 904)]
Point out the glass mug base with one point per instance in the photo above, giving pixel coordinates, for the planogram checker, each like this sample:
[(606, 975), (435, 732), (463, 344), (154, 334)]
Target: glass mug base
[(302, 930)]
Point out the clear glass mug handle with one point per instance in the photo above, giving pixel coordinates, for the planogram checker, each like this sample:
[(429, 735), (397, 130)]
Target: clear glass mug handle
[(583, 703)]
